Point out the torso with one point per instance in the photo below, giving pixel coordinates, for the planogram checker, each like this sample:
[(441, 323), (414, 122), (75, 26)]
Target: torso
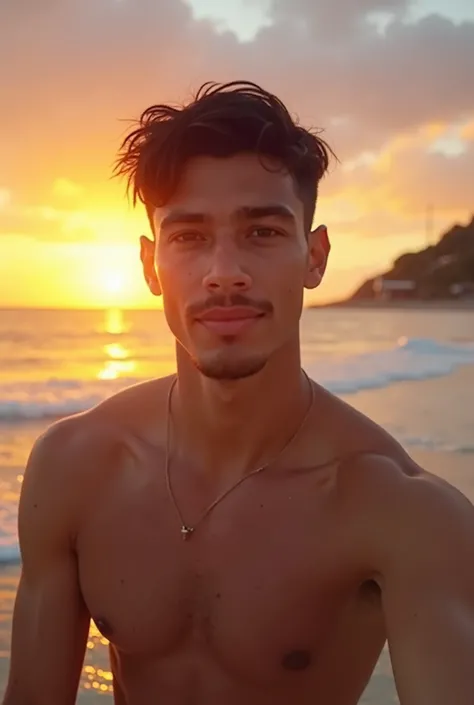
[(272, 600)]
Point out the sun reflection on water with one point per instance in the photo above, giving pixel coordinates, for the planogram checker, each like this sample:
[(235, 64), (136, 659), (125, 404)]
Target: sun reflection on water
[(119, 363), (114, 322), (95, 677)]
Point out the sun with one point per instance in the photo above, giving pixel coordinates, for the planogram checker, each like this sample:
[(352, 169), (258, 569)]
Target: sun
[(113, 282)]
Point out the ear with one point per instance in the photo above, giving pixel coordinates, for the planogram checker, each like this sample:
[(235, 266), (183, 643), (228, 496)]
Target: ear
[(318, 253), (147, 256)]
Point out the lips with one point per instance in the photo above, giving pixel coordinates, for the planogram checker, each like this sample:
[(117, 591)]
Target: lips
[(229, 320)]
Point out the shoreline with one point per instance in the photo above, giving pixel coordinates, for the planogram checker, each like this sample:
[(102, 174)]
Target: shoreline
[(429, 305)]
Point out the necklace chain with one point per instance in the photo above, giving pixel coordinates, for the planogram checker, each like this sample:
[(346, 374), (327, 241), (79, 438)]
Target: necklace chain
[(186, 530)]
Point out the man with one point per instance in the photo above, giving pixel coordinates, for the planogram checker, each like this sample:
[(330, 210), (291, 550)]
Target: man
[(236, 532)]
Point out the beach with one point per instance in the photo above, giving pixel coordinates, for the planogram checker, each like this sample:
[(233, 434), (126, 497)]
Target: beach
[(411, 371)]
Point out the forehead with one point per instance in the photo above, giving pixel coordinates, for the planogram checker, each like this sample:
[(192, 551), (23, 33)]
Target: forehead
[(220, 186)]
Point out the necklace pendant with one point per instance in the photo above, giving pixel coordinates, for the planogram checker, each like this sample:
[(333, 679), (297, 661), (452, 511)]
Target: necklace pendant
[(186, 532)]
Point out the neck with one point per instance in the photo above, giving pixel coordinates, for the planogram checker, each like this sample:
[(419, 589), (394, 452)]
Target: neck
[(232, 427)]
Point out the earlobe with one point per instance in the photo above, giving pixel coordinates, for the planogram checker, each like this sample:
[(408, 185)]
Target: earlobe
[(154, 286), (319, 247), (147, 256)]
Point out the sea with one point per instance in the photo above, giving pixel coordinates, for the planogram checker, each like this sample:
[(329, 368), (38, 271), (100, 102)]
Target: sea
[(411, 370)]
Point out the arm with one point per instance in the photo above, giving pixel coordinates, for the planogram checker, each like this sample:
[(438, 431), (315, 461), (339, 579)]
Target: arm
[(50, 621), (428, 592)]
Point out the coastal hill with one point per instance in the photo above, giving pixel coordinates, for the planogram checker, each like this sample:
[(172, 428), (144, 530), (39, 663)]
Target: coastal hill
[(442, 271)]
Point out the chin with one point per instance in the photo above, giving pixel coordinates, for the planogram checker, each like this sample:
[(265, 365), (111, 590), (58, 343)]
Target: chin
[(223, 367)]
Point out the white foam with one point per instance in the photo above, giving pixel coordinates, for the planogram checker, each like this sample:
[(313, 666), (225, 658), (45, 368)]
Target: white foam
[(22, 401), (410, 360), (9, 548)]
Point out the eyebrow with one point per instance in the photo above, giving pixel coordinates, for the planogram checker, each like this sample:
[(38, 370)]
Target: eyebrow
[(242, 213), (272, 210)]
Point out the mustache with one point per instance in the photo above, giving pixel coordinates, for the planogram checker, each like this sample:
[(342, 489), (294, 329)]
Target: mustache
[(221, 301)]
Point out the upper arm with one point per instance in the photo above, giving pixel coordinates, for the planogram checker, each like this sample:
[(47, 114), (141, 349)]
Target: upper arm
[(50, 621), (426, 566)]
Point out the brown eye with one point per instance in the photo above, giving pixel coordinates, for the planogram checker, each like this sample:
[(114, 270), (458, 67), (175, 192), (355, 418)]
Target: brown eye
[(187, 237), (264, 233)]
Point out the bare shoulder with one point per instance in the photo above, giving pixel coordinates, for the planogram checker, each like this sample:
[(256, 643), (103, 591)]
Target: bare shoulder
[(402, 509), (73, 456), (348, 433), (139, 410), (411, 517), (130, 413)]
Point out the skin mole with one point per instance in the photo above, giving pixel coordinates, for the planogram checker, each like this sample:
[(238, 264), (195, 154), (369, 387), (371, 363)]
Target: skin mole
[(297, 660)]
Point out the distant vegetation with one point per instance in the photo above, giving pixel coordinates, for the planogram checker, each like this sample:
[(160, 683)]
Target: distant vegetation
[(441, 271)]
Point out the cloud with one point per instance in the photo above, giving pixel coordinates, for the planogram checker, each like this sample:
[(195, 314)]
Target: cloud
[(46, 223), (5, 198), (405, 177), (336, 19), (72, 71), (67, 189)]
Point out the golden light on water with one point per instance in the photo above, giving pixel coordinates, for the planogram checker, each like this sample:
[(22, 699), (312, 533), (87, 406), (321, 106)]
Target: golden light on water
[(94, 677), (114, 321), (116, 351), (118, 364)]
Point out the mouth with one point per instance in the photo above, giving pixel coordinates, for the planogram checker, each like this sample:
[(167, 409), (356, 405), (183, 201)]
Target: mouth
[(230, 320)]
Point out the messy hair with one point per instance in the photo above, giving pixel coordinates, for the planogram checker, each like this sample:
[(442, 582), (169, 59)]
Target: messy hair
[(222, 120)]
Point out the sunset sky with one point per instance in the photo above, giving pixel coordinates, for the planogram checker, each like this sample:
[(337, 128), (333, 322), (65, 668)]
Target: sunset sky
[(390, 81)]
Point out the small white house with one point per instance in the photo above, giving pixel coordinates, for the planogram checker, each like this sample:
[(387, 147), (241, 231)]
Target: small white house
[(388, 289)]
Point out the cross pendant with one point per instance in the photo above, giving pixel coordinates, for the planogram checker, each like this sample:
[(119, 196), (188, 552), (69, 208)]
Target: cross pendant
[(186, 532)]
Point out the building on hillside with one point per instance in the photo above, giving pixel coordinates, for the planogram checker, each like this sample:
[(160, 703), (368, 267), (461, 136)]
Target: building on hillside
[(462, 290), (394, 289)]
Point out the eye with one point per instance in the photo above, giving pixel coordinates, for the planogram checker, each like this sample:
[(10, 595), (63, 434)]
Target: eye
[(264, 233), (189, 236)]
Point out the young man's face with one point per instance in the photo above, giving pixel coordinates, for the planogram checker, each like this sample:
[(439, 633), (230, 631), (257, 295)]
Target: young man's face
[(231, 261)]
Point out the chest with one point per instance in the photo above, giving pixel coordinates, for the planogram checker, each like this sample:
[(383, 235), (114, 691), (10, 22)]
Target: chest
[(266, 576)]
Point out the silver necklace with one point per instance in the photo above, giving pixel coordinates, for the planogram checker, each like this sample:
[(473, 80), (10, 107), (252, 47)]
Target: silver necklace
[(186, 529)]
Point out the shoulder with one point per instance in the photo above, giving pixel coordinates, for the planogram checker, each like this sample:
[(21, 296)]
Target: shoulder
[(71, 459), (398, 508), (347, 434), (115, 421), (411, 517)]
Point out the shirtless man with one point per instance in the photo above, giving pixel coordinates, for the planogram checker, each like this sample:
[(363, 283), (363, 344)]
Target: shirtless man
[(236, 532)]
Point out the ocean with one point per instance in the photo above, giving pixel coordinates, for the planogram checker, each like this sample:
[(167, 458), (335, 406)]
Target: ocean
[(411, 370)]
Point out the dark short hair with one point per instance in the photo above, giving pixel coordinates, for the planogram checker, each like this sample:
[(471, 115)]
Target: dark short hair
[(222, 120)]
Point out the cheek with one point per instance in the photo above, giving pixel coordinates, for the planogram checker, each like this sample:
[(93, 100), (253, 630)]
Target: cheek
[(289, 278), (176, 281), (288, 286)]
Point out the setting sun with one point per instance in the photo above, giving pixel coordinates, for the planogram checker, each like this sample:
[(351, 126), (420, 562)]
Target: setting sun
[(113, 282)]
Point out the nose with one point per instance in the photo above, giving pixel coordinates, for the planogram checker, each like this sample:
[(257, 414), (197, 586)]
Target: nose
[(225, 274)]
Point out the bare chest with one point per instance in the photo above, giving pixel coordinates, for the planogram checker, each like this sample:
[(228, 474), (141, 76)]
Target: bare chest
[(266, 579)]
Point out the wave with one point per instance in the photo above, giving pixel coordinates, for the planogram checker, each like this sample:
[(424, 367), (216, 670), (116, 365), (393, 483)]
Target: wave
[(10, 555), (409, 360), (55, 398), (412, 359)]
